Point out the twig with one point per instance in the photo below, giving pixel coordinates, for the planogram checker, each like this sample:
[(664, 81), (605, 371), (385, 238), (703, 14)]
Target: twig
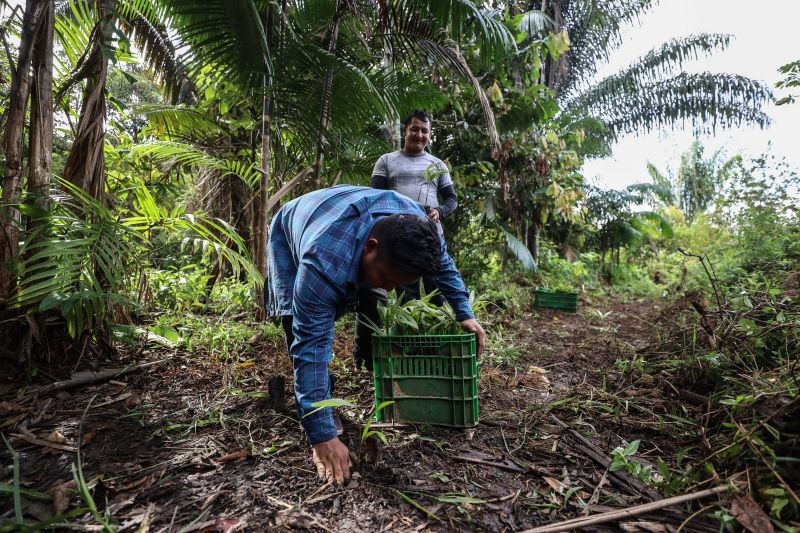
[(320, 489), (712, 278), (691, 517), (87, 379), (502, 466), (42, 442), (766, 463), (602, 518)]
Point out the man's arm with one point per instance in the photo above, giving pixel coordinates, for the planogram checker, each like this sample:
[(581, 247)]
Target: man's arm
[(452, 287), (379, 182), (449, 201), (314, 312), (380, 173)]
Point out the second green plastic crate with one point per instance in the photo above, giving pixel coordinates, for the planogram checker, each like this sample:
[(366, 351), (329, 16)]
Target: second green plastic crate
[(564, 301), (431, 378)]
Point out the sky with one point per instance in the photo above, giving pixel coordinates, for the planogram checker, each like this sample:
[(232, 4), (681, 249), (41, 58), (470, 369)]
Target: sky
[(766, 36)]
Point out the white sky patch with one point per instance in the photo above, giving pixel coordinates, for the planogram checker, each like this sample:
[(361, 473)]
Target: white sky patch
[(764, 38)]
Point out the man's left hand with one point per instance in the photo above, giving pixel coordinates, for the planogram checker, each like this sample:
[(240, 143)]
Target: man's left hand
[(471, 325), (434, 215)]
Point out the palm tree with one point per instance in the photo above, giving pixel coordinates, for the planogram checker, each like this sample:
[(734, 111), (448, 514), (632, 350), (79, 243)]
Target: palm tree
[(286, 55), (697, 182), (652, 92)]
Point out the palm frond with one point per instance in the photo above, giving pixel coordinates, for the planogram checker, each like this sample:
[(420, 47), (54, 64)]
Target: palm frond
[(417, 40), (227, 33), (658, 64), (169, 154), (519, 250), (73, 29), (535, 23), (180, 122), (197, 232), (79, 259), (702, 101), (146, 21), (653, 192), (595, 29)]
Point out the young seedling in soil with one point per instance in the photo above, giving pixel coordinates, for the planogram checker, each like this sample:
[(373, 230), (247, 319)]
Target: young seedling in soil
[(368, 442)]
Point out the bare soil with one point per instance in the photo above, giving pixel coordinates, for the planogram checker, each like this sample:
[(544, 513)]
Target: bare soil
[(199, 444)]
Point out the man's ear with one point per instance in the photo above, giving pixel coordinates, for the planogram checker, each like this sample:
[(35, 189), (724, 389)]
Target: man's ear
[(371, 245)]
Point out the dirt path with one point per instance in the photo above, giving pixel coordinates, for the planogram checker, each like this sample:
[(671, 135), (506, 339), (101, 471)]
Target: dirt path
[(164, 448)]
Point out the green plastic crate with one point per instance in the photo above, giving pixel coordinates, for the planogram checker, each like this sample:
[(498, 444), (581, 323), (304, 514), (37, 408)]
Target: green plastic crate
[(431, 378), (564, 301)]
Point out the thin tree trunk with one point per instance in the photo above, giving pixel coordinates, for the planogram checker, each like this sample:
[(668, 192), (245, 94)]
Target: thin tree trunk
[(261, 218), (326, 97), (85, 166), (534, 241), (40, 148), (13, 146)]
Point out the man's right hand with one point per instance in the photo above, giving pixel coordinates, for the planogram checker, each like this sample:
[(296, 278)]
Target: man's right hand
[(332, 460)]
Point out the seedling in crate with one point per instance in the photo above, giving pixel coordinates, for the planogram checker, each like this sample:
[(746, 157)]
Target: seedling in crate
[(417, 317)]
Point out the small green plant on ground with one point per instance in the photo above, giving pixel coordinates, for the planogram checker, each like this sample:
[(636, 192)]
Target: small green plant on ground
[(622, 459), (367, 432)]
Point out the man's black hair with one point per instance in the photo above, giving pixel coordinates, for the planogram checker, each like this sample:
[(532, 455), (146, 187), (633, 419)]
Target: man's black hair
[(409, 243), (421, 115)]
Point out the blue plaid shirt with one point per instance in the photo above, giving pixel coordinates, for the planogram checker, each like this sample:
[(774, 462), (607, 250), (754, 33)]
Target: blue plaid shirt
[(315, 248)]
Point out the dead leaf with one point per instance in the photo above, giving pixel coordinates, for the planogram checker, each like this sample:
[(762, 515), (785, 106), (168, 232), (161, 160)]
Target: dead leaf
[(224, 525), (132, 401), (556, 483), (62, 494), (88, 437), (537, 369), (235, 455), (144, 482), (750, 515), (56, 437)]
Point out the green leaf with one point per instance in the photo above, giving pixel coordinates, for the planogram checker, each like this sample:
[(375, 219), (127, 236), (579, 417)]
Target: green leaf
[(333, 402), (52, 300), (166, 332)]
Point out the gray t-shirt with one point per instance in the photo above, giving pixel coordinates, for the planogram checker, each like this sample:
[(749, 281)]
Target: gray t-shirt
[(419, 176)]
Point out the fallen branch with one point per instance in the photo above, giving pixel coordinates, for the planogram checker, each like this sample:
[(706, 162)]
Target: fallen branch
[(586, 446), (611, 516), (89, 378)]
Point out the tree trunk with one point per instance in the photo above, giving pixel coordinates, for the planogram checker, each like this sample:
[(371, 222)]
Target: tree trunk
[(40, 149), (326, 97), (13, 145), (534, 230), (261, 220), (560, 67), (85, 166)]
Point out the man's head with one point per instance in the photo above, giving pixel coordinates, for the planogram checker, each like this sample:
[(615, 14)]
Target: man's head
[(400, 250), (416, 132)]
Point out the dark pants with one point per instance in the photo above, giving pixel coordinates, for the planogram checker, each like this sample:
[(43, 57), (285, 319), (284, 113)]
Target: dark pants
[(412, 291), (366, 306)]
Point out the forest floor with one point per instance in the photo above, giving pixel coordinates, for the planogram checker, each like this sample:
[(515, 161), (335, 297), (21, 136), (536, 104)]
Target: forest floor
[(195, 443)]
